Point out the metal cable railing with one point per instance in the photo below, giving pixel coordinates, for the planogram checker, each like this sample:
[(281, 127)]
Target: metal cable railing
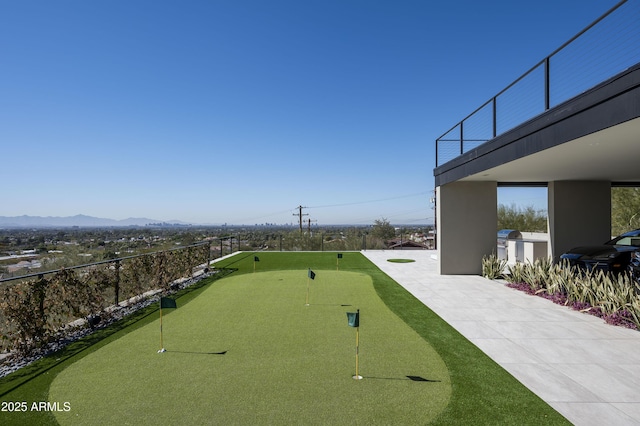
[(35, 308), (89, 265), (603, 49)]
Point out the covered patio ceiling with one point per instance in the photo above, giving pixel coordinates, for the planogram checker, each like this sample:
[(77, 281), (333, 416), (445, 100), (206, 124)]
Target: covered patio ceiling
[(612, 154)]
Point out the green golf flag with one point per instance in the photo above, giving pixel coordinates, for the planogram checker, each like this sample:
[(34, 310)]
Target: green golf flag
[(166, 303), (353, 319), (256, 259), (312, 274), (339, 255)]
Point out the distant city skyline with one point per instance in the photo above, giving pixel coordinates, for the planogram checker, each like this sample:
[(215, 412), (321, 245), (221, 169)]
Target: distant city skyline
[(237, 112), (531, 197), (84, 221)]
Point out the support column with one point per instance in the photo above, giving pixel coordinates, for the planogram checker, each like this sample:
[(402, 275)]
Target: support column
[(579, 214), (467, 218)]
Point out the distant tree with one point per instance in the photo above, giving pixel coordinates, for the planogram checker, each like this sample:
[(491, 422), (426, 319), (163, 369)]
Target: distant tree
[(383, 230), (625, 210), (109, 255), (526, 219)]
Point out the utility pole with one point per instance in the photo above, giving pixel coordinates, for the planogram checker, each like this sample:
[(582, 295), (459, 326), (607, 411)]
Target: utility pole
[(309, 225), (300, 214)]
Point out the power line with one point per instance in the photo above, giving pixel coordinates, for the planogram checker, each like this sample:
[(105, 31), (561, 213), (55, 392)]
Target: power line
[(252, 219), (300, 214), (396, 214), (370, 201)]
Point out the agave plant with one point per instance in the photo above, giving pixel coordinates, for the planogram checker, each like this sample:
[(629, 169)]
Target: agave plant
[(515, 273), (634, 311), (619, 292), (492, 266), (537, 274), (561, 279)]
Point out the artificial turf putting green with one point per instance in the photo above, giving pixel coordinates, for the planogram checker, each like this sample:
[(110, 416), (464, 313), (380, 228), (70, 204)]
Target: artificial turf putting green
[(283, 362), (482, 393)]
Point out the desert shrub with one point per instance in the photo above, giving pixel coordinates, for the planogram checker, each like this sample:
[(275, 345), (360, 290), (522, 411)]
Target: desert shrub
[(25, 318)]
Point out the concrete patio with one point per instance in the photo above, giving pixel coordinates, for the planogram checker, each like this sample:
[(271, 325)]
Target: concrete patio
[(587, 370)]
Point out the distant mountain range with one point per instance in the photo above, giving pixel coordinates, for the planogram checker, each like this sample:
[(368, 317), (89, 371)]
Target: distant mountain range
[(78, 220)]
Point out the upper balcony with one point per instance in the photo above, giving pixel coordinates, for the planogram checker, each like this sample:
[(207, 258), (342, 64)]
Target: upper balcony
[(553, 103)]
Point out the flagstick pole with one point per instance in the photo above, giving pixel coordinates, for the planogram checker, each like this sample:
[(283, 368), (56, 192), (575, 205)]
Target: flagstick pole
[(161, 342), (357, 350), (357, 376), (307, 300)]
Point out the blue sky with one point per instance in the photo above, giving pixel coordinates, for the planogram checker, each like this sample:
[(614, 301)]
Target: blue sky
[(239, 111)]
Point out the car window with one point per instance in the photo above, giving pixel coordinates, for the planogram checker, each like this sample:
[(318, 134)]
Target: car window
[(628, 241), (631, 238)]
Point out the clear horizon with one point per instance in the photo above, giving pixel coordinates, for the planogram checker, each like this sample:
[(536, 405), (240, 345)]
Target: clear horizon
[(241, 111), (6, 224)]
